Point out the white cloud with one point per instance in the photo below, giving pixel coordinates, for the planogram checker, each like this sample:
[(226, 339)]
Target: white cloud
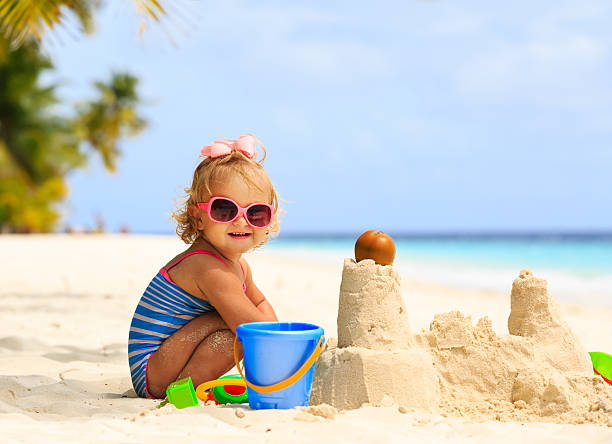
[(567, 71), (555, 55), (327, 62), (455, 21), (294, 40)]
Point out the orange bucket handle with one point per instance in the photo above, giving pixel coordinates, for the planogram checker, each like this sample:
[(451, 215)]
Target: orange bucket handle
[(287, 382)]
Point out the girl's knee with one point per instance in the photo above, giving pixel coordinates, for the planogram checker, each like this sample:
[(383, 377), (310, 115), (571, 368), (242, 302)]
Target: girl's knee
[(222, 341)]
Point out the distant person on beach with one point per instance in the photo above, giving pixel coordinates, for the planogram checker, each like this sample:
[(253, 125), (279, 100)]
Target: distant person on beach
[(185, 322)]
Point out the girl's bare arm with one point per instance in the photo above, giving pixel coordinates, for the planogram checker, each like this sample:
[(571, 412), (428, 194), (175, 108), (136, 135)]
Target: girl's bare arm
[(223, 289), (254, 293)]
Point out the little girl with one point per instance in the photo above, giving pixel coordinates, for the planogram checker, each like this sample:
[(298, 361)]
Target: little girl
[(185, 322)]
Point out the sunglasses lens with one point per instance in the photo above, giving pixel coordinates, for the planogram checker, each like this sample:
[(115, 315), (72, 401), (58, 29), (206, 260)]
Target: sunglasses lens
[(223, 210), (259, 215)]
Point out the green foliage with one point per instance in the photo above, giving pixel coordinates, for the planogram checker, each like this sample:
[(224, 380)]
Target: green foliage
[(30, 19), (29, 209), (112, 116), (20, 19), (38, 147)]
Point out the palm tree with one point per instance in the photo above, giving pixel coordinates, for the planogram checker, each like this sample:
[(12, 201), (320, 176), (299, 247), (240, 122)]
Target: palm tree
[(20, 19), (36, 148), (39, 147), (103, 122)]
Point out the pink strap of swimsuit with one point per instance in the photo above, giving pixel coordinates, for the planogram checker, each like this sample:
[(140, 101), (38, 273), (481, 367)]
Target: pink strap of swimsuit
[(164, 271)]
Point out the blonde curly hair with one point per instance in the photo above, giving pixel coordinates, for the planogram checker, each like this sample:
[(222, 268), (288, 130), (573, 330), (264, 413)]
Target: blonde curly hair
[(212, 169)]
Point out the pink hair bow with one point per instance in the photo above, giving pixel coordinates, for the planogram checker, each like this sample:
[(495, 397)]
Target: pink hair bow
[(245, 144)]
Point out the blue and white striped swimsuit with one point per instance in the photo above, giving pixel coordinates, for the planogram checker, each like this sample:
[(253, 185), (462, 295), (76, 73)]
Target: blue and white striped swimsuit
[(162, 310)]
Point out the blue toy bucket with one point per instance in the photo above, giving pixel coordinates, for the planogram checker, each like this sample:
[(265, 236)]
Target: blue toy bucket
[(277, 354)]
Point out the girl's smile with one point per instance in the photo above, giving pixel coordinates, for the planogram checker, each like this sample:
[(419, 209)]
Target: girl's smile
[(238, 235)]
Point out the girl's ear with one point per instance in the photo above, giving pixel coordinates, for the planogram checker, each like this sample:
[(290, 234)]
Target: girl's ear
[(192, 210), (197, 216)]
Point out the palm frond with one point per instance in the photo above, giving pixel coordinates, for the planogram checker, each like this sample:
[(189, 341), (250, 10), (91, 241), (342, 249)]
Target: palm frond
[(103, 122), (20, 19), (23, 19), (151, 8)]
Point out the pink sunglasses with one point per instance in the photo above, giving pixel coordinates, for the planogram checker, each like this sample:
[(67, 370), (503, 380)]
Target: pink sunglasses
[(224, 210)]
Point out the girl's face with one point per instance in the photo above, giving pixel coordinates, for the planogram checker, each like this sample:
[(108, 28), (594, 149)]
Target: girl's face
[(237, 237)]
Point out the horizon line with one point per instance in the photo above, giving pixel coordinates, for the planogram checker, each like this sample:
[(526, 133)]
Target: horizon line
[(442, 234)]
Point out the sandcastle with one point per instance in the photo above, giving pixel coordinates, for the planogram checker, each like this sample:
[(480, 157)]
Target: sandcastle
[(540, 371)]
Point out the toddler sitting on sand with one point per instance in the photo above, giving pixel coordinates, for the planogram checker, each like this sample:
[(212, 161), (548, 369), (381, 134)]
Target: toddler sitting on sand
[(185, 321)]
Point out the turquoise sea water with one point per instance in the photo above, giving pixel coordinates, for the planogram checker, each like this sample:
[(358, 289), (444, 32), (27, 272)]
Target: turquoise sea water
[(584, 256), (576, 266)]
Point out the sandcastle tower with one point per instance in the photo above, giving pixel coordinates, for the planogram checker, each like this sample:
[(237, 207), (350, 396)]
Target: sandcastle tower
[(373, 362), (371, 309), (534, 314)]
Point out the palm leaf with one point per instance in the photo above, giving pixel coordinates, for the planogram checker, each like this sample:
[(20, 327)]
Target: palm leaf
[(20, 19), (150, 8)]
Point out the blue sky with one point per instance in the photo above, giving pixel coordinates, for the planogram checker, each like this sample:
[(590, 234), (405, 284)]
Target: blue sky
[(406, 116)]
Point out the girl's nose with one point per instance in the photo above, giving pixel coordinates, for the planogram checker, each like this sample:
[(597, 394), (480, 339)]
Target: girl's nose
[(242, 221)]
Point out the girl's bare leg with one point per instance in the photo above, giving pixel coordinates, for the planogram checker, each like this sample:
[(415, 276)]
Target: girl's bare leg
[(202, 349)]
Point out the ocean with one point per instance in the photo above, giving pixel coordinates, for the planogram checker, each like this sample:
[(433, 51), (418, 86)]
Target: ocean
[(578, 267)]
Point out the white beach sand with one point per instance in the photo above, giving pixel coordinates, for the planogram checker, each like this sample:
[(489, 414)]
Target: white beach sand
[(65, 307)]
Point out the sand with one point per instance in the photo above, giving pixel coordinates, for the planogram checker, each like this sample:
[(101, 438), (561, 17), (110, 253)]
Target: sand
[(66, 305)]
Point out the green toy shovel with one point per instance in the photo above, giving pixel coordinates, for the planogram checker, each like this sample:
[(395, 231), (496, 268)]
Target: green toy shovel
[(602, 365)]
